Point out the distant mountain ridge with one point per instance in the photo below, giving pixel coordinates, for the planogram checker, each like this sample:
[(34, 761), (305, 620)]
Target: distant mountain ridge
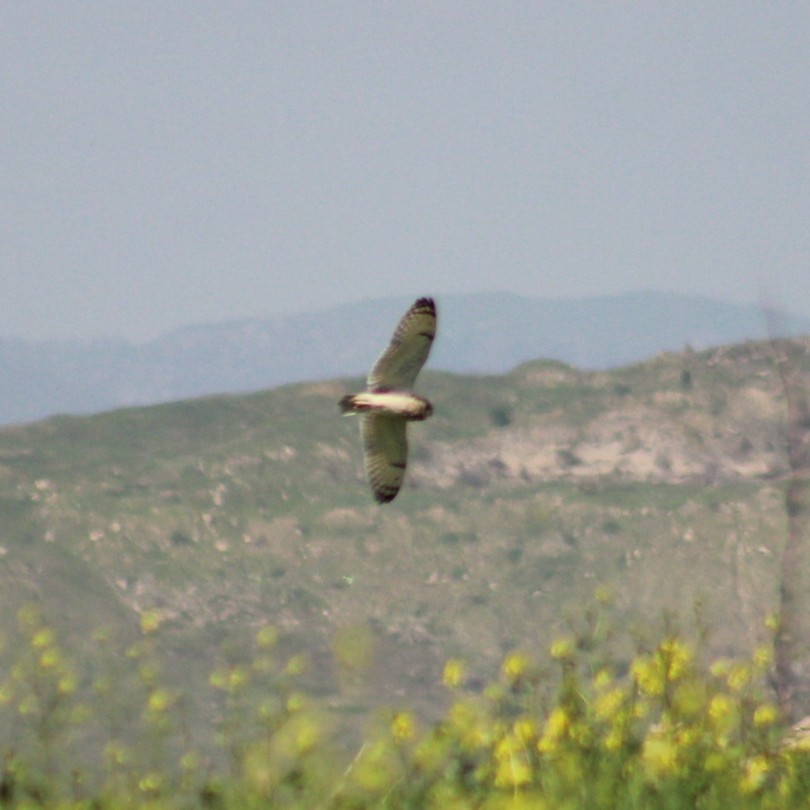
[(485, 333)]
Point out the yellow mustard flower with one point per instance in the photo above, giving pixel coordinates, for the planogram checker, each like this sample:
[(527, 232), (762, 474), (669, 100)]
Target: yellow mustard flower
[(766, 715), (556, 726), (649, 675), (524, 729), (608, 705), (720, 708), (678, 656), (43, 638), (160, 700), (604, 595), (453, 675), (714, 762), (376, 767), (689, 698), (562, 648), (614, 739), (296, 702), (721, 667), (513, 772), (151, 782), (507, 746), (763, 657), (603, 679), (471, 727), (297, 665), (151, 620), (515, 666), (403, 726), (754, 775), (50, 658), (660, 756), (739, 675), (267, 637), (67, 683)]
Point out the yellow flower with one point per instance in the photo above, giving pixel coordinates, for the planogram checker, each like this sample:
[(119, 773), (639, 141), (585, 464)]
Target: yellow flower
[(721, 667), (649, 675), (614, 739), (160, 700), (677, 656), (296, 702), (513, 772), (403, 726), (766, 715), (453, 675), (151, 783), (151, 621), (689, 699), (720, 707), (558, 722), (267, 637), (556, 726), (660, 756), (604, 595), (50, 658), (376, 767), (67, 683), (608, 705), (473, 730), (524, 729), (562, 648), (297, 665), (515, 666), (722, 714), (714, 762), (507, 746), (43, 638), (237, 677), (756, 771), (763, 656), (738, 677)]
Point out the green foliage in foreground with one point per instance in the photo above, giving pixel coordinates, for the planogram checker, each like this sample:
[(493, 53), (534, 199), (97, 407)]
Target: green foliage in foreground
[(666, 733)]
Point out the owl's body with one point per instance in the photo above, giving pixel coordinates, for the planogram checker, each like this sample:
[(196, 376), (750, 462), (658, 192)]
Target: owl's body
[(387, 404), (396, 403)]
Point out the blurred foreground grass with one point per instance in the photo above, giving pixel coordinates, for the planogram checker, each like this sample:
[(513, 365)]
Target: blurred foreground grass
[(561, 728)]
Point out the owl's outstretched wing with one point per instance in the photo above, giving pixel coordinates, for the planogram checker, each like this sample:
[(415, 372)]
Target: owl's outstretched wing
[(399, 364), (385, 451)]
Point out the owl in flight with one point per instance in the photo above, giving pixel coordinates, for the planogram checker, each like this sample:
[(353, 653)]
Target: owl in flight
[(388, 404)]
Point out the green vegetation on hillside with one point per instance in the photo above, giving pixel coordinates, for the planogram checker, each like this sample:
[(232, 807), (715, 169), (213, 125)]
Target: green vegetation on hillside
[(565, 729), (524, 493)]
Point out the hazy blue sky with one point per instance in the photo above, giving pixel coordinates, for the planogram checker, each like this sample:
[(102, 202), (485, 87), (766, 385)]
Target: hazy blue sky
[(166, 163)]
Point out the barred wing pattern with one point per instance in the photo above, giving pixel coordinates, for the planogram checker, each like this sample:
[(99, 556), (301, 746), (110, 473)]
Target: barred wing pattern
[(385, 450), (399, 364)]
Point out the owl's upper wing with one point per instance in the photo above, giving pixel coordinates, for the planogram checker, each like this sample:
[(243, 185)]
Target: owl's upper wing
[(399, 364), (385, 451)]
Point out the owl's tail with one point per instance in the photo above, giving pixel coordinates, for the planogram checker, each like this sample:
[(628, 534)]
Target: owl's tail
[(347, 405)]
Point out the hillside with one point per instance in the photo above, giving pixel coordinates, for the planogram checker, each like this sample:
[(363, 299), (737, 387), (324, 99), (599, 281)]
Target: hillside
[(480, 333), (658, 482)]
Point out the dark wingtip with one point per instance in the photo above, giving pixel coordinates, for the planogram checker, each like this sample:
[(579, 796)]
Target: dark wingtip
[(385, 496), (346, 404), (425, 303)]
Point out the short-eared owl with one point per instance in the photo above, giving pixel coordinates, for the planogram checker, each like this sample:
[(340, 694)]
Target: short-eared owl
[(388, 404)]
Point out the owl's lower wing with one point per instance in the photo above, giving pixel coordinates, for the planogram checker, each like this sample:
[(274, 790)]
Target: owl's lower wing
[(385, 451)]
